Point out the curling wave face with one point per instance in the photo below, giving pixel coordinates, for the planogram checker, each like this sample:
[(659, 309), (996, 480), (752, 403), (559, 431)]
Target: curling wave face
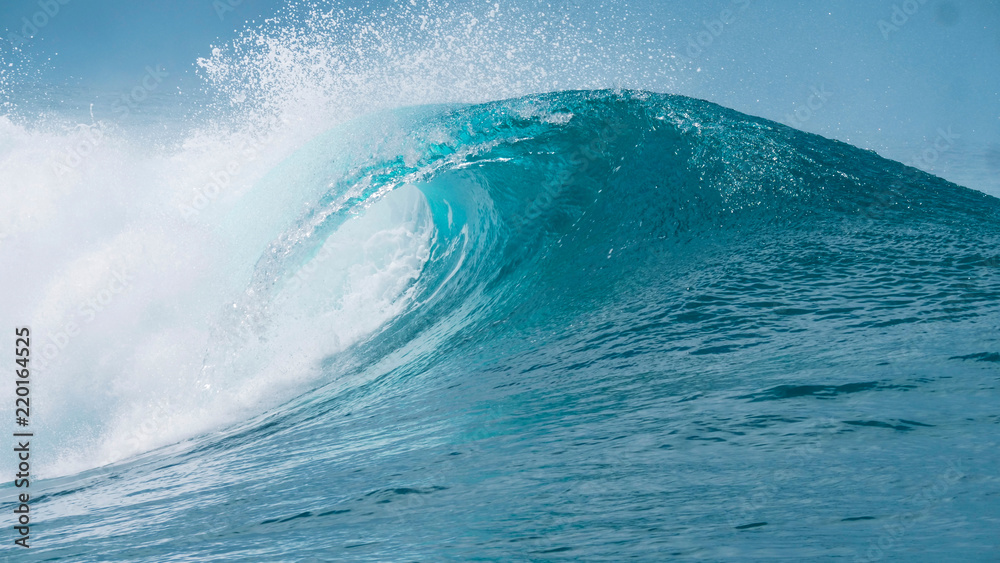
[(595, 324)]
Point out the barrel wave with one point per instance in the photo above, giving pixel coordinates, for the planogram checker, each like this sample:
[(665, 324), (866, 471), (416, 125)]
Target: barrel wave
[(588, 325)]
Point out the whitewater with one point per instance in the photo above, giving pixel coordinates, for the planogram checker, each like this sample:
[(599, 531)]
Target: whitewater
[(387, 292)]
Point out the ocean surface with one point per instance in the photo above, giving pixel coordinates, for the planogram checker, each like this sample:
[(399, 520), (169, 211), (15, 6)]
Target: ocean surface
[(586, 325), (605, 280)]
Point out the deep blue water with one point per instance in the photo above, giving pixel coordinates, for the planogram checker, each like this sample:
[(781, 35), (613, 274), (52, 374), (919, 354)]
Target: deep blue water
[(615, 325)]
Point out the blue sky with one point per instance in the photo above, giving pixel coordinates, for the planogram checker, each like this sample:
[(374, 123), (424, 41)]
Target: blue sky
[(101, 41)]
